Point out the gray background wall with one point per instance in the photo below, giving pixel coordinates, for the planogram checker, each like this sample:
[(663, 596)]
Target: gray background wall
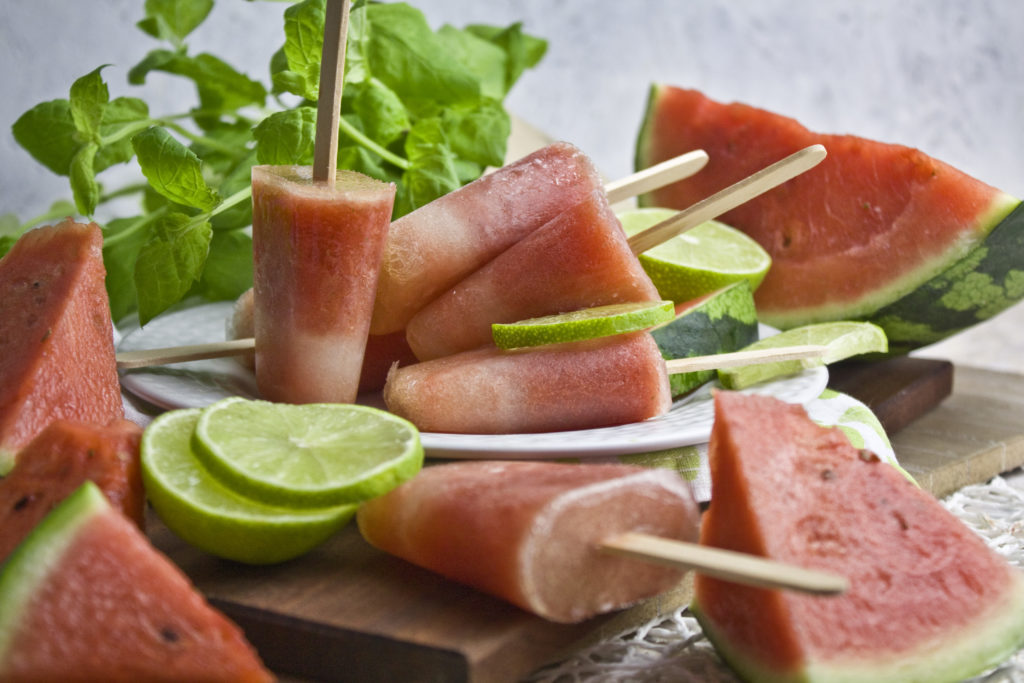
[(946, 76)]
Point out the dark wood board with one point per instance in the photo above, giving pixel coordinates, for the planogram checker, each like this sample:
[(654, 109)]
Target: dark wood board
[(347, 612)]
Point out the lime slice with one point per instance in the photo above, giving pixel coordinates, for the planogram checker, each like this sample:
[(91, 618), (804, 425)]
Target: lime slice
[(701, 260), (311, 455), (586, 323), (215, 519), (843, 339)]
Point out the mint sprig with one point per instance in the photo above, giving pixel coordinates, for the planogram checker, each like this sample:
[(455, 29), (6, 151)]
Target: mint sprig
[(420, 108)]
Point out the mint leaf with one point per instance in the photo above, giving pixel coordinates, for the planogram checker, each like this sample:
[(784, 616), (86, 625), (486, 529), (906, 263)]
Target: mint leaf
[(220, 86), (169, 262), (286, 137), (89, 96), (379, 111), (522, 51), (173, 170), (122, 240), (172, 20), (228, 270), (304, 39), (432, 172), (484, 59), (121, 117), (84, 187), (403, 52), (478, 133), (47, 132)]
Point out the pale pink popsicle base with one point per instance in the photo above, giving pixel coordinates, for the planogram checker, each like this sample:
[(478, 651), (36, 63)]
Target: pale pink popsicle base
[(435, 246), (577, 260), (595, 383), (528, 532)]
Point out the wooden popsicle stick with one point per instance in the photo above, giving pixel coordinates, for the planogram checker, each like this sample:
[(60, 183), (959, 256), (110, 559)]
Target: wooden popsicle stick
[(659, 175), (728, 198), (332, 73), (126, 360), (725, 564), (735, 359)]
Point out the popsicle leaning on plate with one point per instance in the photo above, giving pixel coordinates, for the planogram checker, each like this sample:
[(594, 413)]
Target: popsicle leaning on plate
[(316, 256)]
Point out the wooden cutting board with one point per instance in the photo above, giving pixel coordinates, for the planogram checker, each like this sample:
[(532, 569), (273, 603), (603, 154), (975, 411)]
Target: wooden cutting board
[(347, 612)]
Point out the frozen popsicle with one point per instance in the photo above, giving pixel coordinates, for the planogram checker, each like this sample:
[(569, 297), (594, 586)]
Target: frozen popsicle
[(530, 532), (577, 385), (579, 259), (317, 248)]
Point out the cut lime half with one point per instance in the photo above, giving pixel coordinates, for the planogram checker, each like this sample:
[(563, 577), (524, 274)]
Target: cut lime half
[(215, 519), (842, 339), (586, 323), (701, 260), (311, 455)]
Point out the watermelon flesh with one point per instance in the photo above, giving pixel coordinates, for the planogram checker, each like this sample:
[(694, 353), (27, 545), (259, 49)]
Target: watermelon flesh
[(528, 532), (86, 597), (58, 461), (575, 385), (579, 259), (56, 338), (929, 601), (869, 225)]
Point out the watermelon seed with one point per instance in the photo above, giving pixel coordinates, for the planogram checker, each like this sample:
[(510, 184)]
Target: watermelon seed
[(902, 521), (867, 456), (169, 634), (828, 474), (23, 502)]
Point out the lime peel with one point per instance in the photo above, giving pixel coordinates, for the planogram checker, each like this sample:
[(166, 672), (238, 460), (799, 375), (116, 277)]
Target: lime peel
[(587, 323)]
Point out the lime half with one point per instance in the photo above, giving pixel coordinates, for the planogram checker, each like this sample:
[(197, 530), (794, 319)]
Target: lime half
[(842, 339), (311, 455), (701, 260), (203, 512), (586, 323)]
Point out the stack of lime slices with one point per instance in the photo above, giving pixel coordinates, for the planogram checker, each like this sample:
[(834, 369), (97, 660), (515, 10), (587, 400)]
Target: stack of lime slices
[(260, 482)]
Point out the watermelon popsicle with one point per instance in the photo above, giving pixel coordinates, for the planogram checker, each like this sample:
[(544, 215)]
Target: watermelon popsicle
[(316, 254)]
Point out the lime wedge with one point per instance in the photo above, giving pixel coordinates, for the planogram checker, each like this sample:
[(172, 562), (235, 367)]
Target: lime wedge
[(701, 260), (311, 455), (843, 339), (586, 323), (215, 519)]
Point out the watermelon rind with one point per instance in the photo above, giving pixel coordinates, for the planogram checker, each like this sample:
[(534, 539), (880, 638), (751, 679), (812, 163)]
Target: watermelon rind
[(720, 322), (986, 642), (28, 566), (986, 281)]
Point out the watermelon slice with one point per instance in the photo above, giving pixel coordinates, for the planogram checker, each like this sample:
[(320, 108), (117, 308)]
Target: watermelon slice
[(719, 322), (929, 601), (86, 597), (56, 339), (58, 461), (875, 232)]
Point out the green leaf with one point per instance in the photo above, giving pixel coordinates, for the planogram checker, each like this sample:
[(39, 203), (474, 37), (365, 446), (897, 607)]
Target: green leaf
[(172, 20), (220, 86), (286, 137), (173, 169), (522, 51), (432, 172), (405, 54), (84, 187), (239, 215), (382, 116), (121, 115), (169, 262), (228, 270), (47, 132), (478, 133), (89, 96), (304, 39), (122, 240), (487, 61)]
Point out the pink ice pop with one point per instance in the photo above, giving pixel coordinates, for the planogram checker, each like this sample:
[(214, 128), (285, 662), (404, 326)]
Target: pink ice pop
[(435, 246), (576, 385), (316, 254), (529, 532), (579, 259)]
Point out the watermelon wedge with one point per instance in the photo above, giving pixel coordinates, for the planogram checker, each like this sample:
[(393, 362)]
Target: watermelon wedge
[(55, 463), (875, 232), (56, 339), (929, 601), (86, 597)]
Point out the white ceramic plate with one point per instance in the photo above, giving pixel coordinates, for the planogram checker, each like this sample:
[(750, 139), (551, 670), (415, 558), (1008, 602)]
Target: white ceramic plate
[(198, 383)]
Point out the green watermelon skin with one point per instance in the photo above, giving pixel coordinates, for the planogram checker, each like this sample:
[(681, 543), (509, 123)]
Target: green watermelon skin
[(55, 463), (928, 600), (868, 227), (86, 597), (719, 322)]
